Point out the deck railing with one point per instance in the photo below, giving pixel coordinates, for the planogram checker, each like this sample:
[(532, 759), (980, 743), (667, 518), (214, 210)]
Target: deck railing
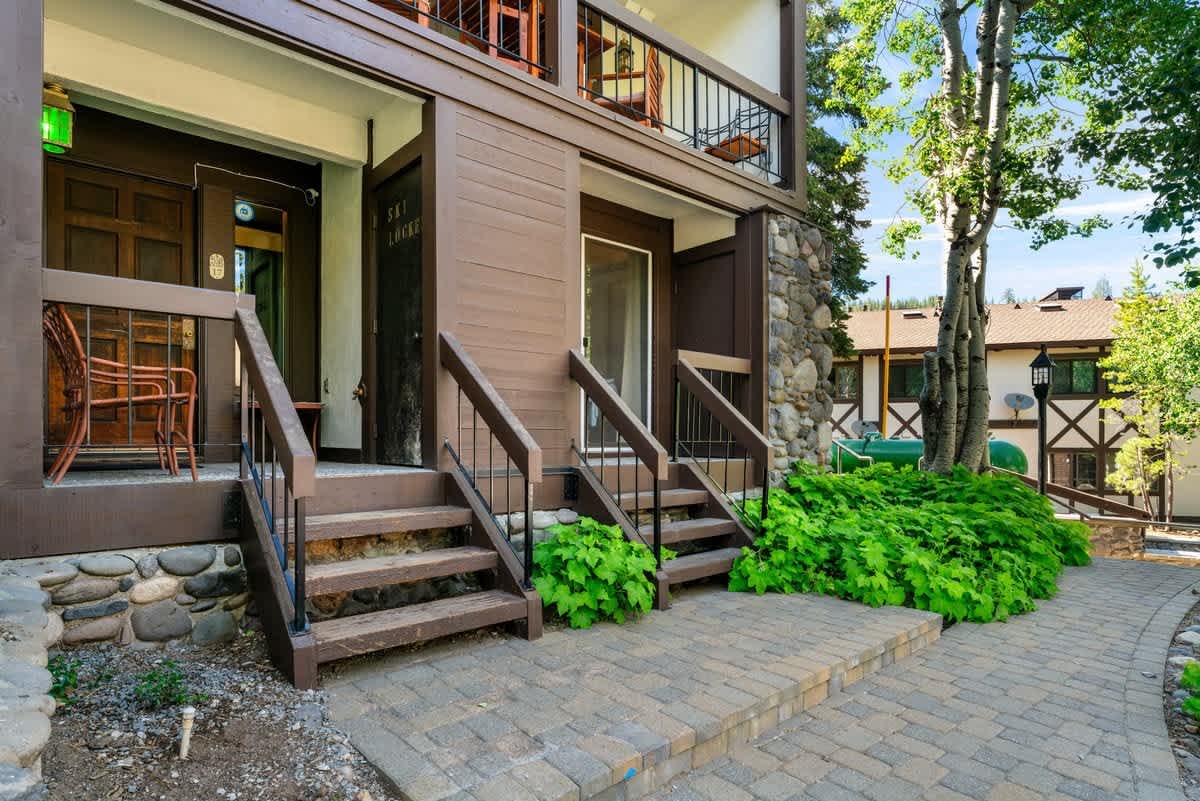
[(502, 429), (512, 31), (630, 436), (1071, 499), (628, 71), (709, 426), (275, 455)]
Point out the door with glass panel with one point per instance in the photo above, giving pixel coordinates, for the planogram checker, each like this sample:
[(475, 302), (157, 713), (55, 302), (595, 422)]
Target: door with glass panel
[(616, 329)]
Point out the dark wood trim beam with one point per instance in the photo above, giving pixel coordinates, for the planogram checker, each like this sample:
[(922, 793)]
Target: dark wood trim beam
[(21, 350), (749, 437), (516, 440), (562, 44), (722, 72), (614, 408), (149, 296), (793, 84)]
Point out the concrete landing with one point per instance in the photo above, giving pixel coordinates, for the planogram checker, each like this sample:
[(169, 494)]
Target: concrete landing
[(613, 712)]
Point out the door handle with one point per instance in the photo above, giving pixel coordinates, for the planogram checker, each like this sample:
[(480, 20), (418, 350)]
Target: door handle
[(360, 392)]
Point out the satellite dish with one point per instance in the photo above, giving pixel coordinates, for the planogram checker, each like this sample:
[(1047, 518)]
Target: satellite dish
[(1018, 402), (863, 427)]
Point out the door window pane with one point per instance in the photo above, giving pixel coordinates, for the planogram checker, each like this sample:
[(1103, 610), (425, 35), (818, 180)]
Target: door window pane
[(616, 327)]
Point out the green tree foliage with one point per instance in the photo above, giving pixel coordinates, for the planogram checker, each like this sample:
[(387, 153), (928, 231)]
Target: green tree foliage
[(1154, 373), (588, 572), (1062, 93), (837, 190), (969, 547)]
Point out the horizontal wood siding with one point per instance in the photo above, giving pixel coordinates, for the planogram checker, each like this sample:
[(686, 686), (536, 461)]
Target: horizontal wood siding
[(516, 264)]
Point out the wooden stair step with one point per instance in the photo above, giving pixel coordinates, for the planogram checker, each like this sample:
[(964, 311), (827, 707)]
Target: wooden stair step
[(355, 574), (701, 565), (701, 528), (670, 499), (374, 631), (385, 521)]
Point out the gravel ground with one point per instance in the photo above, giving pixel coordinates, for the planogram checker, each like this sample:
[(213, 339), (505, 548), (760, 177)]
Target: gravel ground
[(255, 737), (1181, 727)]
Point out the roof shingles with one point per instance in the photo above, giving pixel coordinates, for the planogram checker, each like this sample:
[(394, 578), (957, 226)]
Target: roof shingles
[(1079, 322)]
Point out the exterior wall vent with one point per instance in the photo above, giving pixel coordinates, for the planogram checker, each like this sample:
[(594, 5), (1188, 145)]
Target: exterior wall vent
[(1050, 307), (914, 315)]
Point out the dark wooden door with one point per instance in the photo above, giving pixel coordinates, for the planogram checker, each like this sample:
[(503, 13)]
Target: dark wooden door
[(110, 223), (398, 349)]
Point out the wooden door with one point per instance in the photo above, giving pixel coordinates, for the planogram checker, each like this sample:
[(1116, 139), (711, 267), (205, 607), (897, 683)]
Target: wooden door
[(109, 223), (399, 351)]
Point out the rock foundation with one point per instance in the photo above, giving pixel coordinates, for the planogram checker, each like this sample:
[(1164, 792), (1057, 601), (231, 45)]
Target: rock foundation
[(799, 352)]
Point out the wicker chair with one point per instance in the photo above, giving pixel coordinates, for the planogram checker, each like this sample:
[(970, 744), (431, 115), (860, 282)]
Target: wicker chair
[(148, 386)]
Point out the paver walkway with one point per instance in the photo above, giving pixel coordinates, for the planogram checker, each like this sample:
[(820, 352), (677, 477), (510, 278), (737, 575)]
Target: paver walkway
[(613, 712), (1064, 703)]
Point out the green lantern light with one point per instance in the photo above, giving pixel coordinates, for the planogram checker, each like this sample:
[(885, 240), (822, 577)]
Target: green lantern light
[(58, 119)]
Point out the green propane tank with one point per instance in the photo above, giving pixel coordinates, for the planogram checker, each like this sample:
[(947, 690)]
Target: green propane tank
[(901, 452)]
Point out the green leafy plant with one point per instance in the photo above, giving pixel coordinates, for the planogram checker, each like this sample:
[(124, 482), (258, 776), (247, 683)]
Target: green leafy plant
[(64, 678), (164, 685), (969, 547), (1190, 681), (589, 571)]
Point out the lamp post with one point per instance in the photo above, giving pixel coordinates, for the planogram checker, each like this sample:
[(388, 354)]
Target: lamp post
[(1043, 370)]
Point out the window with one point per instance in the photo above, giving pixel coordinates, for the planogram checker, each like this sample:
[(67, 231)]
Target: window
[(1075, 377), (1075, 469), (906, 380), (845, 381)]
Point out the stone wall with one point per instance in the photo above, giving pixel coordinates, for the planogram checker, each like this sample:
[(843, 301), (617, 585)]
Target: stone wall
[(799, 351), (26, 632), (1118, 538), (143, 596)]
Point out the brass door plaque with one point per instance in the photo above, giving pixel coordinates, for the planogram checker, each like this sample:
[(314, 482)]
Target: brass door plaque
[(216, 266)]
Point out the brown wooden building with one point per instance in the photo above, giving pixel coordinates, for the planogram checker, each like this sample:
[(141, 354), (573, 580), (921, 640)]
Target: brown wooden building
[(427, 263)]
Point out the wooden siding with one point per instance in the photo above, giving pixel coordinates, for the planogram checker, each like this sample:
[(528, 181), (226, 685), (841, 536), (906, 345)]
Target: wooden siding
[(515, 267)]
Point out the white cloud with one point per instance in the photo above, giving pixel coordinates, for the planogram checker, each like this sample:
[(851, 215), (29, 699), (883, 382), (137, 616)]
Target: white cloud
[(1120, 205)]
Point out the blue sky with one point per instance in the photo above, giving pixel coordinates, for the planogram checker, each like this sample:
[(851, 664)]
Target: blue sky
[(1012, 262)]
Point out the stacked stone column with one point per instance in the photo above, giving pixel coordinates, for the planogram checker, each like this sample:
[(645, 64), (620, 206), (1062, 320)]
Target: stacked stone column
[(799, 345)]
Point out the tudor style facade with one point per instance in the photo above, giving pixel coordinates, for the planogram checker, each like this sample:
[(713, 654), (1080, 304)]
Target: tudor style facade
[(1082, 439), (376, 235)]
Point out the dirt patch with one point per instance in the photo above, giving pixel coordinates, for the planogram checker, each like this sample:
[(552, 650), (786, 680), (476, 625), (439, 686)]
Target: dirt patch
[(255, 737)]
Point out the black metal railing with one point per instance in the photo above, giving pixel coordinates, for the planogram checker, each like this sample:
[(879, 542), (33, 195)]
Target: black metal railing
[(615, 436), (710, 425), (630, 74), (276, 456), (492, 427), (510, 31)]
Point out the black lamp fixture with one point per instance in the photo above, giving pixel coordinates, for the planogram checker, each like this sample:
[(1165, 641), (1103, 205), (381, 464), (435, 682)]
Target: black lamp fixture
[(1042, 368)]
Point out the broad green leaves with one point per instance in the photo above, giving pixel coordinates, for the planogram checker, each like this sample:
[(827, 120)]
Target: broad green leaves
[(968, 547), (588, 572)]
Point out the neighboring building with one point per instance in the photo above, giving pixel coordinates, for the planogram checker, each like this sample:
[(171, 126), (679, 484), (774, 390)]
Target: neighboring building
[(432, 204), (1082, 440)]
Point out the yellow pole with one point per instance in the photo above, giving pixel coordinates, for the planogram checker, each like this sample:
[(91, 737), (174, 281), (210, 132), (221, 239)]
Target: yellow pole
[(887, 352)]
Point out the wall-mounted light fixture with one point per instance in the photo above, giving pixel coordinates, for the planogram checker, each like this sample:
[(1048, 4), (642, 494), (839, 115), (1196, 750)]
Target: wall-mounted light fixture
[(58, 119)]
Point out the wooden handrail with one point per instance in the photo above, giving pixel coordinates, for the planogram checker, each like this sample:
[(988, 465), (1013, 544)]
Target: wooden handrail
[(749, 437), (614, 408), (686, 52), (520, 445), (715, 361), (1079, 496), (291, 444), (149, 296)]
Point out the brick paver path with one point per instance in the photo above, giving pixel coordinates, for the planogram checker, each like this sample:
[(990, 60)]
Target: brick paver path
[(1064, 703)]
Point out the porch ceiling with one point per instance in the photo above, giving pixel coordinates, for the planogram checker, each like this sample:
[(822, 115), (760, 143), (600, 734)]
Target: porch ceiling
[(146, 55)]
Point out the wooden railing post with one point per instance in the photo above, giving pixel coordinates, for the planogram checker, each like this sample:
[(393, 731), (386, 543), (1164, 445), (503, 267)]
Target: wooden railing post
[(562, 44)]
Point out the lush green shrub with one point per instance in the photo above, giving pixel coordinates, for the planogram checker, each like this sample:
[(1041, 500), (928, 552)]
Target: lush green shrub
[(588, 571), (970, 547), (1190, 681)]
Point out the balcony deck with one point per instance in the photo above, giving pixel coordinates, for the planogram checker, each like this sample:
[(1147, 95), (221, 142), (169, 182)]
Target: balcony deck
[(211, 472)]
